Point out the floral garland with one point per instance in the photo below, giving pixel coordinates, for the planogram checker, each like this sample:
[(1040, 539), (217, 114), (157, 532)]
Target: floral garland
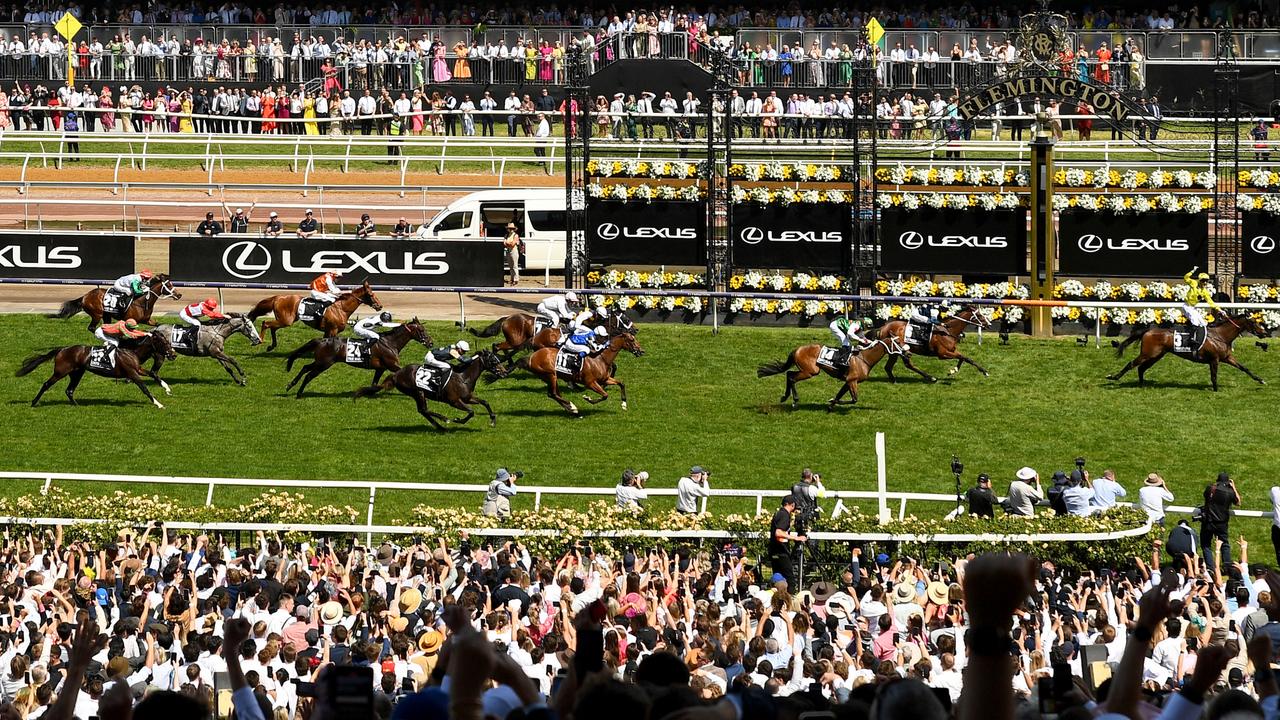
[(985, 201), (631, 168), (621, 192), (1104, 177), (1156, 291), (782, 172), (630, 279), (786, 196), (799, 282), (1268, 203), (1135, 204), (1259, 178), (969, 175), (952, 289)]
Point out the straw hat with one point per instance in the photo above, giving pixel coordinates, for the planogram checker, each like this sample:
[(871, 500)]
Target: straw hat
[(398, 623), (937, 593), (904, 592), (430, 641), (331, 612), (840, 605), (410, 601), (1154, 479)]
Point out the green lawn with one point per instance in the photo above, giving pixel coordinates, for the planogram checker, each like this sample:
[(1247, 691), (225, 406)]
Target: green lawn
[(694, 399)]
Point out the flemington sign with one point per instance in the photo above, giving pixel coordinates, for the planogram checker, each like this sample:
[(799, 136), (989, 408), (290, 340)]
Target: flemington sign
[(1050, 86)]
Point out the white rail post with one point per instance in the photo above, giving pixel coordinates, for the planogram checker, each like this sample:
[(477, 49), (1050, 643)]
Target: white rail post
[(368, 540), (537, 500), (462, 311), (759, 504), (880, 478), (208, 498), (47, 482)]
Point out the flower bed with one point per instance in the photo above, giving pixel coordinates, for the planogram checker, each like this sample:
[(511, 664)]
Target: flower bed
[(1101, 178), (1268, 202), (623, 192), (658, 169)]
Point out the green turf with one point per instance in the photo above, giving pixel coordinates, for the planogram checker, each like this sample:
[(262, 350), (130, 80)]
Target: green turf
[(694, 399)]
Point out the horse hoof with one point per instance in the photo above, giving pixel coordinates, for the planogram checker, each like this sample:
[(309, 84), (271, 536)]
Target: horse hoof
[(624, 404), (986, 374), (167, 391), (931, 379), (952, 371), (158, 405), (573, 409), (588, 399), (1112, 377)]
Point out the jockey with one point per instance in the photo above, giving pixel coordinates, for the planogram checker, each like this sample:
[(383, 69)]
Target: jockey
[(557, 308), (112, 334), (928, 314), (325, 287), (368, 327), (580, 322), (587, 341), (133, 285), (846, 330), (208, 309), (1201, 290), (438, 359)]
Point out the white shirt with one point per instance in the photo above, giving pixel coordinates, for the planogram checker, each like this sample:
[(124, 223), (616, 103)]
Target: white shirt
[(1153, 497), (630, 497), (1275, 506), (688, 492), (367, 105)]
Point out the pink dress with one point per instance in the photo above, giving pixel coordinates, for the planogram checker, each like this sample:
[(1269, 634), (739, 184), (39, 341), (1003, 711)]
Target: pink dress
[(440, 66), (545, 70)]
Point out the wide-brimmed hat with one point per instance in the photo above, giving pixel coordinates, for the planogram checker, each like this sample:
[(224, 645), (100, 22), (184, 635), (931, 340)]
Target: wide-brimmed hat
[(398, 623), (331, 612), (821, 591), (430, 641), (937, 593), (904, 592), (1154, 479), (1026, 473), (840, 606), (410, 601)]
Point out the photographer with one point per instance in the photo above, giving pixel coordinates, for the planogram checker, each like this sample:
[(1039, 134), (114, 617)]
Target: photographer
[(497, 502), (630, 490), (1219, 497), (806, 493), (780, 539), (982, 500), (689, 489)]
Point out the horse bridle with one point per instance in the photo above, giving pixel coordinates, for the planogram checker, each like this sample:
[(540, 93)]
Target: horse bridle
[(167, 286)]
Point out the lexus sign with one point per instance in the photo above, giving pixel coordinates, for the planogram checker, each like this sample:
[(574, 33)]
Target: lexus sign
[(796, 237), (390, 263), (1155, 244), (82, 256), (657, 233), (953, 241), (1259, 257)]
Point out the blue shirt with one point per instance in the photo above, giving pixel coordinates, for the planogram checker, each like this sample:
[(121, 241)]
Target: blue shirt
[(1106, 491), (1077, 500)]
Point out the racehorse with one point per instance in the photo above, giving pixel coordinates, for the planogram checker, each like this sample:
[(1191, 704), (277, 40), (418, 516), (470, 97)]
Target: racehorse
[(518, 332), (332, 322), (73, 360), (805, 359), (210, 342), (595, 373), (159, 287), (941, 345), (458, 390), (380, 356), (1157, 341)]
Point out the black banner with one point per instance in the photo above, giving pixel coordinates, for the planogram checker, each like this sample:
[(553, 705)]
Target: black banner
[(1151, 244), (795, 237), (662, 232), (388, 263), (1258, 236), (64, 256), (953, 241)]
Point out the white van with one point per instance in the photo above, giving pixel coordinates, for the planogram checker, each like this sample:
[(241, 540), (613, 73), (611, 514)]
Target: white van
[(539, 215)]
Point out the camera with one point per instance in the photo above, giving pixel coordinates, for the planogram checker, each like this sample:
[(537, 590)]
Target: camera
[(1080, 462), (957, 467), (517, 474)]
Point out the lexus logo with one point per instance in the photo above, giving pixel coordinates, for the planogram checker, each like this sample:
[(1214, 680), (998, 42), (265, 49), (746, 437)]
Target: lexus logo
[(239, 260), (1090, 243), (608, 231), (1262, 244), (911, 240), (752, 235)]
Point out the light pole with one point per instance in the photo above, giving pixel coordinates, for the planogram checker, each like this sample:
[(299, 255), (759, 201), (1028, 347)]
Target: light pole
[(1043, 249)]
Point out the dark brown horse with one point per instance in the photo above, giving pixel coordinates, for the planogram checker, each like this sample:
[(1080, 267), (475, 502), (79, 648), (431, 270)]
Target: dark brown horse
[(334, 320), (140, 308), (596, 371), (380, 356), (941, 345), (458, 390), (805, 360), (518, 332), (1157, 341), (74, 360)]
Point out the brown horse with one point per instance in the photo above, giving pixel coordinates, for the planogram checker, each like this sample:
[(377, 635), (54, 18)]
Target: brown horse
[(380, 356), (74, 360), (941, 345), (1158, 341), (595, 373), (518, 332), (140, 308), (332, 322), (458, 390), (805, 360)]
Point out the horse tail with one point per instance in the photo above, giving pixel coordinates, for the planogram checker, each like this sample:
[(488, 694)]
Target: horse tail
[(308, 346), (1135, 333), (493, 329), (69, 308), (263, 307), (369, 390), (775, 368), (36, 361)]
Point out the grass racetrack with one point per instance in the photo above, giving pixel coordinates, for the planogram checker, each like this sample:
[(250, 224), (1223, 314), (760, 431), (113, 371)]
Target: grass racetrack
[(694, 399)]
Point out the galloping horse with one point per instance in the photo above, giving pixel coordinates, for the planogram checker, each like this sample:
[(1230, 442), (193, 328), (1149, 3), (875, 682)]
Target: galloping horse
[(940, 345), (805, 359), (380, 356), (73, 360), (458, 390), (518, 332), (285, 308), (596, 372), (160, 286), (1158, 341), (210, 342)]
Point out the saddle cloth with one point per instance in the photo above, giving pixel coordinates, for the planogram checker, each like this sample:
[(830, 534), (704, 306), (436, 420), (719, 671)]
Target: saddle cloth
[(182, 337), (1188, 339), (431, 380), (357, 351), (827, 358), (568, 364), (311, 309), (540, 324), (102, 359), (917, 334), (115, 302)]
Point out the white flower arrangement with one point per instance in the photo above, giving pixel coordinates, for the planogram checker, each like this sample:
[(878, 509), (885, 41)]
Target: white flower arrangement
[(1141, 204), (775, 171), (1087, 202), (630, 166), (1061, 202), (605, 169), (1271, 204), (838, 197), (829, 282), (1102, 289), (1193, 204), (1270, 319), (1158, 290), (1179, 292), (1260, 178), (910, 201), (667, 302), (784, 197), (949, 289), (1101, 176), (1021, 178), (669, 192), (690, 193), (759, 195), (1013, 314), (987, 201), (1245, 201), (1131, 290), (883, 200), (681, 169), (974, 175), (1007, 201), (693, 304), (595, 190), (1147, 316), (825, 173), (739, 195), (1206, 179), (1129, 180), (1075, 177), (935, 200), (809, 196), (1157, 179), (777, 283), (1114, 203), (1183, 178), (644, 192), (1167, 201), (617, 192), (799, 171), (898, 175), (737, 304), (752, 172), (949, 176), (1059, 313)]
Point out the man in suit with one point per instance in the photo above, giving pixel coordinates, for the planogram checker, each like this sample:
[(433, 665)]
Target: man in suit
[(645, 108), (1154, 112)]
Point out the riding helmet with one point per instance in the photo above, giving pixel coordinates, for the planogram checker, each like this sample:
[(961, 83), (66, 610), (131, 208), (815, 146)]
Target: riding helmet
[(385, 316)]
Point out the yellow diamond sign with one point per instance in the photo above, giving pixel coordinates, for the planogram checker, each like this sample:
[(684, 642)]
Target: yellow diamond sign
[(875, 31), (68, 26)]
